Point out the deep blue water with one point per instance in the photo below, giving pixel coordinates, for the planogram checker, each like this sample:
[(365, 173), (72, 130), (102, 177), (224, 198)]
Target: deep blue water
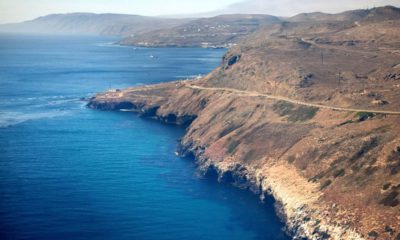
[(68, 172)]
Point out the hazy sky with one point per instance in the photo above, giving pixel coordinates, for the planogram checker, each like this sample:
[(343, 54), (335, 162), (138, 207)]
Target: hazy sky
[(19, 10), (293, 7)]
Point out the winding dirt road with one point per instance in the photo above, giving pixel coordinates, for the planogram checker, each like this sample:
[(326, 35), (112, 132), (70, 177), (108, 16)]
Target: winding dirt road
[(313, 43), (279, 98)]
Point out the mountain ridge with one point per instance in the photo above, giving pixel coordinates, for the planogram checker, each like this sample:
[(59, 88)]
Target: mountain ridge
[(197, 33), (92, 23), (220, 31)]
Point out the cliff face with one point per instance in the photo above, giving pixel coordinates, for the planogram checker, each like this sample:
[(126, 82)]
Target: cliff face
[(262, 120)]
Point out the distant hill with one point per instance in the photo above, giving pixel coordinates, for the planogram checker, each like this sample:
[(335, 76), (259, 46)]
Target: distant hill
[(374, 14), (228, 30), (319, 16), (217, 31), (90, 23), (287, 8)]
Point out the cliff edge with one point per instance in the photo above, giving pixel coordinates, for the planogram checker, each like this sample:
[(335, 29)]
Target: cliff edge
[(307, 111)]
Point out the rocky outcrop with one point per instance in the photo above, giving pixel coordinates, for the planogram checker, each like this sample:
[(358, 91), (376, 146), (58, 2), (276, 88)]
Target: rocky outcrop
[(392, 76), (113, 106), (302, 221), (143, 110)]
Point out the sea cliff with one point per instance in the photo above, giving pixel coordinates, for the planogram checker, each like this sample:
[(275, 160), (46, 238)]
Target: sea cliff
[(245, 140), (307, 111)]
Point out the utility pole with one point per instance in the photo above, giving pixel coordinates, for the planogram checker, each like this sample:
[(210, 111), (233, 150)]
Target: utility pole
[(322, 58), (364, 83)]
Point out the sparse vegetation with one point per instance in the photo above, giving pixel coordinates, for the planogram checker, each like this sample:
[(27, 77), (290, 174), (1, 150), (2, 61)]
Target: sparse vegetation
[(196, 91), (317, 177), (232, 146), (356, 167), (373, 234), (362, 116), (302, 113), (365, 148), (250, 155), (282, 108), (370, 170), (294, 114), (394, 161), (389, 230), (306, 80), (326, 184), (391, 199), (230, 128), (339, 173), (345, 123)]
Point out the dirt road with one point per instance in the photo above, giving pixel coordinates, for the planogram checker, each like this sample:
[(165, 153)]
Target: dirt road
[(256, 94)]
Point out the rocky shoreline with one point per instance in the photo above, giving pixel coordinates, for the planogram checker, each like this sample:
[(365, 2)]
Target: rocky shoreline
[(302, 221), (298, 200), (307, 111)]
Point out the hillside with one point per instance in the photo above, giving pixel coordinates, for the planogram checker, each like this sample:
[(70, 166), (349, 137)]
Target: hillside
[(90, 23), (220, 31), (307, 111), (228, 30), (374, 14)]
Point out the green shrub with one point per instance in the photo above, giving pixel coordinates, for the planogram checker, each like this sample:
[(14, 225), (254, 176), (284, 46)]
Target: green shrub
[(346, 122), (362, 116)]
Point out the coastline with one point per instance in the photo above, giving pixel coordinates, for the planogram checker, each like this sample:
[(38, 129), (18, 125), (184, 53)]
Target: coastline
[(299, 201)]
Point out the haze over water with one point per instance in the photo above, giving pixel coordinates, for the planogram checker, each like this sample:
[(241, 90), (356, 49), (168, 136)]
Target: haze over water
[(68, 172)]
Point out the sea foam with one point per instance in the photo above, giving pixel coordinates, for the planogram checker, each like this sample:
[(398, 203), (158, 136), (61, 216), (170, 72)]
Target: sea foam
[(8, 119)]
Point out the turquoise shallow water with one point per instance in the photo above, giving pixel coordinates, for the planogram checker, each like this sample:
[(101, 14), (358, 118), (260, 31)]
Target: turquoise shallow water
[(68, 172)]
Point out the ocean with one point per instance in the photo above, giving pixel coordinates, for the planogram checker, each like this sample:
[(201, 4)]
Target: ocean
[(69, 172)]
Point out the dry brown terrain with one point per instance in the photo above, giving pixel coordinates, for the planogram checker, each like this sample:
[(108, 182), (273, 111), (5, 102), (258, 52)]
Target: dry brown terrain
[(306, 110), (219, 31)]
